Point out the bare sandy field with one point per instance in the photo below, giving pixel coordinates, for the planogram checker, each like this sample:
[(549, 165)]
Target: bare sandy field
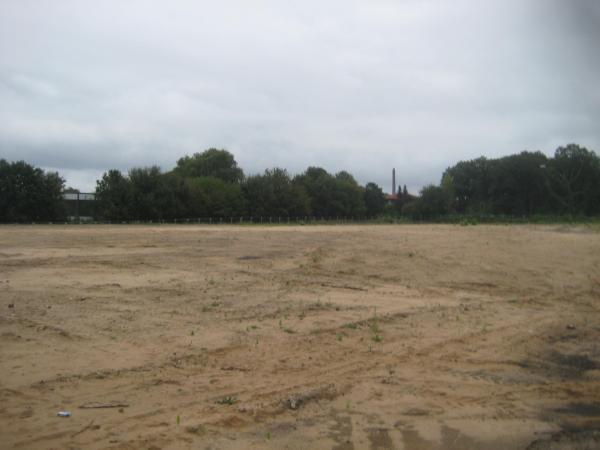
[(327, 337)]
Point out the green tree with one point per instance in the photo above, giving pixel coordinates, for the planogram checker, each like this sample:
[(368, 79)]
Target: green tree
[(517, 184), (198, 197), (471, 181), (151, 196), (374, 199), (320, 187), (210, 163), (432, 204), (349, 195), (402, 198), (114, 196), (447, 186), (213, 197), (330, 195), (573, 180), (28, 193), (180, 196), (273, 194)]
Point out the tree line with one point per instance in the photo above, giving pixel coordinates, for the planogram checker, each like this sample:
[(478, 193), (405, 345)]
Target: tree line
[(29, 194), (211, 184), (519, 185)]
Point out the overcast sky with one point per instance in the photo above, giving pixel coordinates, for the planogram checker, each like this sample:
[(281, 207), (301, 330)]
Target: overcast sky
[(364, 86)]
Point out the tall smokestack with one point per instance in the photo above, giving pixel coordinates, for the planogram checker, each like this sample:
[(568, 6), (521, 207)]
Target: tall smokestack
[(394, 181)]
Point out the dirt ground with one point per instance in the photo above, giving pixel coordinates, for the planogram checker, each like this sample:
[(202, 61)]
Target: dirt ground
[(302, 337)]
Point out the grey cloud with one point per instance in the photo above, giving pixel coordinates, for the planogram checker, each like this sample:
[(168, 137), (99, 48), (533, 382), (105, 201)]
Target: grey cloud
[(359, 86)]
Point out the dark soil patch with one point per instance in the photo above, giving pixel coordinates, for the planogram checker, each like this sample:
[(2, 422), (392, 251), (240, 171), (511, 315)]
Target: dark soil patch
[(581, 409), (561, 365), (569, 440), (380, 439)]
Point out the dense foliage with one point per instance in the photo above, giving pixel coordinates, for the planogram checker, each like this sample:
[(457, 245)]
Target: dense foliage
[(521, 185), (28, 193), (210, 184), (211, 163), (275, 194)]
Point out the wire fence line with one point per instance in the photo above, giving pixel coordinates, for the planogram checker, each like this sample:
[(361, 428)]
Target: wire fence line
[(248, 220), (218, 220)]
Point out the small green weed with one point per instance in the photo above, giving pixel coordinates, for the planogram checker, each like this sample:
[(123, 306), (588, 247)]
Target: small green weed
[(374, 326), (229, 400), (207, 308)]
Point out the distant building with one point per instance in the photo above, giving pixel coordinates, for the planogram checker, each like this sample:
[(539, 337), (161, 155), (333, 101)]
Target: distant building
[(80, 206), (398, 197), (393, 197)]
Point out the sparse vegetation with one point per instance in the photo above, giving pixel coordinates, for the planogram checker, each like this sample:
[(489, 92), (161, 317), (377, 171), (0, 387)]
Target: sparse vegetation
[(210, 306), (340, 336), (375, 328), (228, 400), (484, 309)]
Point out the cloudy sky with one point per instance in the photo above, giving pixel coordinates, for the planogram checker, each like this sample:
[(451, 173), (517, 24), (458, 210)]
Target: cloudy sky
[(363, 86)]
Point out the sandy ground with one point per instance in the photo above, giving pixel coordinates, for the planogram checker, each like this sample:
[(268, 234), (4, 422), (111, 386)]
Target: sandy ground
[(344, 337)]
